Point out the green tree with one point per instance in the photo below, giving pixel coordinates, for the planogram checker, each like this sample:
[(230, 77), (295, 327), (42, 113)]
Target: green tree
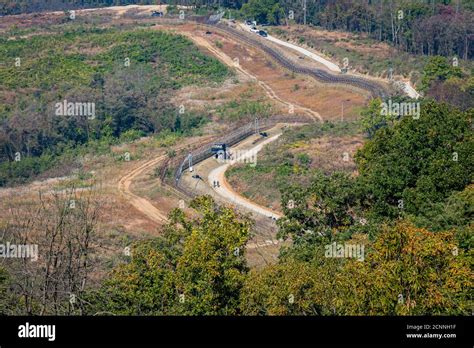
[(455, 213), (372, 117), (417, 162), (438, 69), (264, 11), (327, 205), (196, 268), (212, 268), (406, 271)]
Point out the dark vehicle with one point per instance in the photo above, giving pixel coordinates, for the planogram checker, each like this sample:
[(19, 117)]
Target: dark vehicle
[(264, 134), (262, 33), (157, 14), (219, 149), (208, 32), (248, 22)]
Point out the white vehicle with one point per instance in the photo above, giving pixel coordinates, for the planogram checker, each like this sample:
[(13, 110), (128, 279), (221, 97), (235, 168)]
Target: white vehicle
[(254, 29)]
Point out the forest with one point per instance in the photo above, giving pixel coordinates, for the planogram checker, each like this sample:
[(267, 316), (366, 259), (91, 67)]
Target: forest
[(112, 79), (431, 27)]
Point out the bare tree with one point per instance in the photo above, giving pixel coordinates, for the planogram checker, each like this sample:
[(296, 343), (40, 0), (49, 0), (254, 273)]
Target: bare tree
[(62, 226)]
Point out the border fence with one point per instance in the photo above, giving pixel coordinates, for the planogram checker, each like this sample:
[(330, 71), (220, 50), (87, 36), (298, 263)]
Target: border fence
[(180, 164)]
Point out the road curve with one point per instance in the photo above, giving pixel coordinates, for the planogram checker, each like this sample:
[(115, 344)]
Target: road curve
[(268, 90), (225, 190), (321, 75), (141, 204)]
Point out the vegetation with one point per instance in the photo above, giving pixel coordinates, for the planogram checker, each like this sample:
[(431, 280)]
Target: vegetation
[(264, 11), (446, 82), (410, 203), (404, 201), (418, 161), (110, 76), (244, 109), (293, 158), (407, 271), (197, 268), (53, 281), (440, 27), (20, 6), (421, 27)]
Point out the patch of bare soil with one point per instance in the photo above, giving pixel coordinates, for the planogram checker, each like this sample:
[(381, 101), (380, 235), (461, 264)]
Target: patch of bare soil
[(295, 90)]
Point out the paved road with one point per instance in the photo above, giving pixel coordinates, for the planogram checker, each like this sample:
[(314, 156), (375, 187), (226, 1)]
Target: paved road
[(226, 191)]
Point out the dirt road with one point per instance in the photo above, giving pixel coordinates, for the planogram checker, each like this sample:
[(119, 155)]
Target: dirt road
[(268, 90), (154, 213), (140, 203)]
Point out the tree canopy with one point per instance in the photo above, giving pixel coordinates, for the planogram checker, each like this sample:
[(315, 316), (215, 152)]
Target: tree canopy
[(197, 268)]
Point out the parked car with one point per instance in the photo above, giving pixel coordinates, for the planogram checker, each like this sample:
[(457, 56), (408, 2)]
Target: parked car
[(157, 14), (254, 30), (248, 22), (262, 33)]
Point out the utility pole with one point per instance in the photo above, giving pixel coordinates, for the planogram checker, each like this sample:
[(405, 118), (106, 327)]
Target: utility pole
[(342, 114), (190, 162), (256, 125)]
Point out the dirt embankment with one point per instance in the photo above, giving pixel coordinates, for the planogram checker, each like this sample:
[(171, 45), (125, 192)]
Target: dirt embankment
[(294, 93)]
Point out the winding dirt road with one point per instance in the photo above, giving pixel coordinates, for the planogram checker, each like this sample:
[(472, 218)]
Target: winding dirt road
[(142, 204), (268, 90), (154, 213)]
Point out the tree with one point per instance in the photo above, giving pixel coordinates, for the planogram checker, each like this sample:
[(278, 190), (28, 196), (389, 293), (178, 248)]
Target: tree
[(263, 11), (438, 69), (406, 271), (418, 161), (456, 213), (329, 204), (410, 271), (197, 268), (62, 227), (373, 119), (455, 91)]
